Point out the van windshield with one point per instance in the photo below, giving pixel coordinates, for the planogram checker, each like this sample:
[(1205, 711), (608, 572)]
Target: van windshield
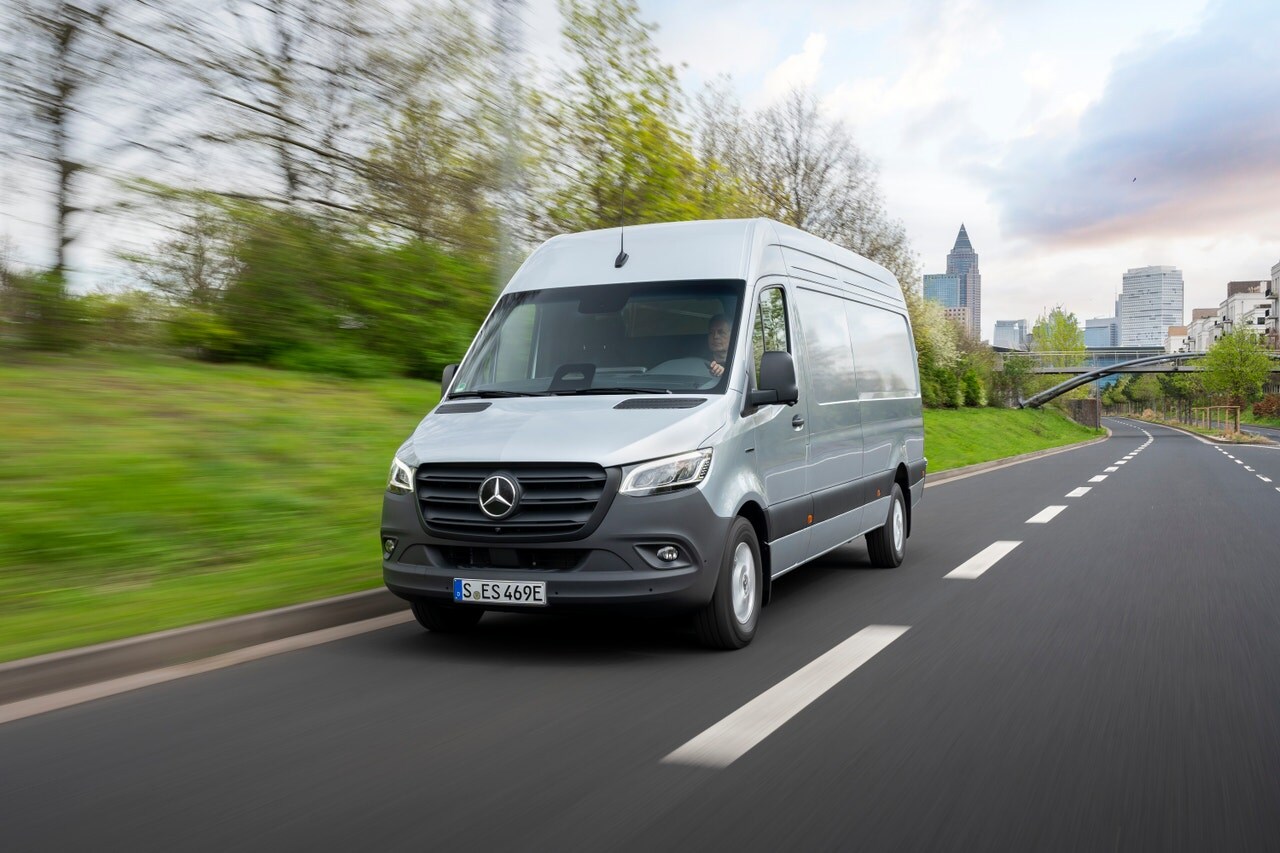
[(660, 338)]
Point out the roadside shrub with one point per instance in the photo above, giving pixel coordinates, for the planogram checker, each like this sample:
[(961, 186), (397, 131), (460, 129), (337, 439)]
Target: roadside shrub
[(42, 313), (127, 319), (1267, 407), (971, 386), (202, 334), (337, 360)]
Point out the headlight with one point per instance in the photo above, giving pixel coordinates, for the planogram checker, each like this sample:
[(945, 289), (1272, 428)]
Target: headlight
[(667, 475), (400, 481)]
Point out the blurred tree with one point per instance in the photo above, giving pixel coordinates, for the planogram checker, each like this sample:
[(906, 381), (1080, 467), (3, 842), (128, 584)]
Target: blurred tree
[(809, 173), (57, 59), (285, 85), (620, 155), (1236, 367), (435, 170)]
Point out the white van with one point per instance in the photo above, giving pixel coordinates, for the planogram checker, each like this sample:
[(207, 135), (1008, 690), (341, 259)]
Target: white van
[(673, 422)]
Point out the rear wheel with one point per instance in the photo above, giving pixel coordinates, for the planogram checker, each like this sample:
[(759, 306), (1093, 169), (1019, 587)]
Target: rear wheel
[(729, 620), (446, 618), (888, 544)]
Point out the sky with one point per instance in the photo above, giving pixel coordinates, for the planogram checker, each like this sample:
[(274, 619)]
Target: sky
[(1074, 141)]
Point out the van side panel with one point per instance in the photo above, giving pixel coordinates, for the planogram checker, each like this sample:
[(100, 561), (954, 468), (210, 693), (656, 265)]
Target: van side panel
[(835, 469)]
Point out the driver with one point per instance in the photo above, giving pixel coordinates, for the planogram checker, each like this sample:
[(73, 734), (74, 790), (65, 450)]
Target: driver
[(718, 344)]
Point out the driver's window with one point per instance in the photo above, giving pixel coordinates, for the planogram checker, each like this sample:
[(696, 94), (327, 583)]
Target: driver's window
[(770, 333)]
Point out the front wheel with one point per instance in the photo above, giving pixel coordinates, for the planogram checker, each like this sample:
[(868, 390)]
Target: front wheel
[(729, 620), (888, 544), (446, 618)]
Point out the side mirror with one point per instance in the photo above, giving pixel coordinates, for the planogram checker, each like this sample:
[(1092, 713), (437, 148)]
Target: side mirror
[(777, 381), (446, 378)]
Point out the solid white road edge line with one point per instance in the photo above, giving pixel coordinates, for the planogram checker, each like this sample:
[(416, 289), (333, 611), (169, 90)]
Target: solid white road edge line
[(78, 695), (732, 737), (1045, 515), (983, 560), (1078, 492)]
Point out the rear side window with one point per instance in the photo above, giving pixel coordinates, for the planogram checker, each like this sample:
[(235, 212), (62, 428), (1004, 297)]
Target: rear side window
[(882, 350), (826, 346)]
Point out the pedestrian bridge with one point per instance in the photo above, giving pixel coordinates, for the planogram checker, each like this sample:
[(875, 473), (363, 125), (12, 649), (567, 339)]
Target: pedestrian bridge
[(1173, 362)]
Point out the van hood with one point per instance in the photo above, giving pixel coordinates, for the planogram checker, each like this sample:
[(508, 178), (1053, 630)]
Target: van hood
[(564, 429)]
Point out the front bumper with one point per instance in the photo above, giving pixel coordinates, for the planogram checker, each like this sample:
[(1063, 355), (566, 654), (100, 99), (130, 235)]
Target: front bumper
[(614, 565)]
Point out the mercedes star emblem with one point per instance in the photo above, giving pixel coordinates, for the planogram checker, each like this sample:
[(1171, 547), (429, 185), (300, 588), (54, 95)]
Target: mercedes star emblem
[(498, 496)]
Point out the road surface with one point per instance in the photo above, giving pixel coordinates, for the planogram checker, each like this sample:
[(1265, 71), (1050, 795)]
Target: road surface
[(1110, 682)]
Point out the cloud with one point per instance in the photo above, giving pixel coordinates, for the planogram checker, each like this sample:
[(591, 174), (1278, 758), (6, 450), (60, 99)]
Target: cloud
[(800, 70), (1184, 140)]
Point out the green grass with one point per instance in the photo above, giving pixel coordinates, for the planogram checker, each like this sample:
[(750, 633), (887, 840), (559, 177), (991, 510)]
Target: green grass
[(142, 493), (139, 492), (1248, 417), (953, 438)]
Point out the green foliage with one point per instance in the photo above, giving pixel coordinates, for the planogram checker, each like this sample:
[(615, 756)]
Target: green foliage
[(38, 306), (974, 393), (622, 154), (1236, 367), (1058, 331), (132, 318)]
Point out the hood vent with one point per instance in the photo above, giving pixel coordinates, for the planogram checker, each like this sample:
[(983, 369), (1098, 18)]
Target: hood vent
[(661, 403), (461, 408)]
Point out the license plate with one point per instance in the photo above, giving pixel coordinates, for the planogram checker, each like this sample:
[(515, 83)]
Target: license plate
[(527, 593)]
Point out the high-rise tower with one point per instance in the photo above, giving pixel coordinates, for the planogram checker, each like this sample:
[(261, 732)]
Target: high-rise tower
[(960, 287)]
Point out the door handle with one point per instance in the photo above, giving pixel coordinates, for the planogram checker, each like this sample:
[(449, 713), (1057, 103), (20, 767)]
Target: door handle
[(797, 422)]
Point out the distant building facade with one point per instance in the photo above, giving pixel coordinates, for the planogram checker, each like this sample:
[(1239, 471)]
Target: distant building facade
[(1102, 333), (943, 289), (1010, 334), (1150, 302), (961, 285)]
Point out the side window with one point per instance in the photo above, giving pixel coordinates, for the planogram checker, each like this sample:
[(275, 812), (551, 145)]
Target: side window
[(826, 347), (882, 349), (770, 332)]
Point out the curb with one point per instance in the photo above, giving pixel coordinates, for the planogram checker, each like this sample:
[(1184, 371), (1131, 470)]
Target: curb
[(996, 464), (36, 676)]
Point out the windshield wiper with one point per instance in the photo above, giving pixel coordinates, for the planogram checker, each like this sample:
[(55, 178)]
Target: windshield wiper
[(611, 390), (496, 393)]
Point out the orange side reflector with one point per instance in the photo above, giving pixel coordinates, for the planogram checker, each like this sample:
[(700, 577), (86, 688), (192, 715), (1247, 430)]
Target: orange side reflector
[(810, 521)]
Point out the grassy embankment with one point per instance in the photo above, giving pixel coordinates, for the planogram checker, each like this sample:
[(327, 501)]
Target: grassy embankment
[(142, 493), (967, 436)]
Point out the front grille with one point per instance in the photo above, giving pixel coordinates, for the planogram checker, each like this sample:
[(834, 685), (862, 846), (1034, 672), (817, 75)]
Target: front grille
[(557, 501)]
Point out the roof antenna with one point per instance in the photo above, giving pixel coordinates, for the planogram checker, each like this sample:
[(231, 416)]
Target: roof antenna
[(622, 247)]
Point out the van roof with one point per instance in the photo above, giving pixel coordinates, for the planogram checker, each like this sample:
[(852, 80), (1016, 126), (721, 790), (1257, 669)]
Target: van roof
[(671, 251)]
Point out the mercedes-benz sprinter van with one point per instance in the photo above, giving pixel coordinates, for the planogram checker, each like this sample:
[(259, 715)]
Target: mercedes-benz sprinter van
[(672, 417)]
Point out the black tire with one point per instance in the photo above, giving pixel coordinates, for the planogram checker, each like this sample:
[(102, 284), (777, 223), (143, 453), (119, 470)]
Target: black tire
[(718, 624), (446, 618), (886, 549)]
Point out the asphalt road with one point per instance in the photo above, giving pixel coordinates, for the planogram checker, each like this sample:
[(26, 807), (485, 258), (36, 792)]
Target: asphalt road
[(1112, 682)]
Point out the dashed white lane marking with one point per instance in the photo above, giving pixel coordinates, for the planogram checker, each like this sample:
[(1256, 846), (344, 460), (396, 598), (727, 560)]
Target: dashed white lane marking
[(1264, 479), (77, 695), (1239, 462), (732, 737), (981, 561), (1122, 462), (1045, 515), (1078, 493), (1111, 469), (1098, 479), (1247, 468)]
